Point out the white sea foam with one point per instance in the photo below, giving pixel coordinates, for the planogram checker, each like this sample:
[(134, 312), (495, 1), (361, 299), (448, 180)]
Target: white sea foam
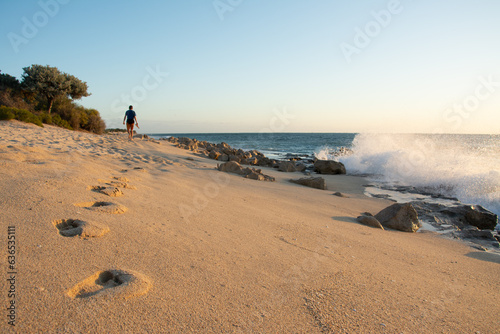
[(463, 166)]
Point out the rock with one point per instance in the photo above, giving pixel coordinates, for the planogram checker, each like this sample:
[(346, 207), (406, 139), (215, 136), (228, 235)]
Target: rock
[(214, 155), (233, 157), (264, 161), (402, 217), (478, 216), (313, 182), (250, 173), (230, 167), (254, 176), (287, 166), (250, 161), (370, 221), (460, 216), (339, 194), (224, 157), (300, 167), (172, 140), (472, 232), (329, 167)]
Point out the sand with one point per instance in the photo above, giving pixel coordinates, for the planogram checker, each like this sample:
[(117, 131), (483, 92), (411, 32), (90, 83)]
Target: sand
[(119, 236)]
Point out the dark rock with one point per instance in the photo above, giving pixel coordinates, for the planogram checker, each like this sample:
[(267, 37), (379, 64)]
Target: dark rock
[(300, 167), (287, 166), (459, 216), (329, 167), (478, 216), (264, 161), (473, 232), (339, 194), (313, 182), (402, 217), (370, 221)]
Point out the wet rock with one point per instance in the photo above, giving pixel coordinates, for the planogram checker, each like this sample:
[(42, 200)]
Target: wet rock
[(402, 217), (478, 216), (329, 167), (459, 216), (313, 182)]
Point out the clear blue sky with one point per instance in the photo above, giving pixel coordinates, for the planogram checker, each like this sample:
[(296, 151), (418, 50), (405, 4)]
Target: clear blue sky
[(260, 65)]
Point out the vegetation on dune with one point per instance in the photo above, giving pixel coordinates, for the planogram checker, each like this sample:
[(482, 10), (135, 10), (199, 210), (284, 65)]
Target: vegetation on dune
[(45, 95)]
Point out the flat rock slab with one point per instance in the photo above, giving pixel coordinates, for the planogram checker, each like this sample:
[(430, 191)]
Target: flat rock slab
[(313, 182)]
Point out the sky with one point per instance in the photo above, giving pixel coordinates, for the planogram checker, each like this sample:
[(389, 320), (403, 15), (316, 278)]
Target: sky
[(213, 66)]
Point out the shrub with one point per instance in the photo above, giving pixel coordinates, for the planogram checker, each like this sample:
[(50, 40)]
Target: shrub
[(57, 120), (6, 114), (27, 117), (45, 118), (20, 114)]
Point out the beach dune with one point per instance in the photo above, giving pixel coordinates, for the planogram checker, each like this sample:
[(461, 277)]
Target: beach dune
[(188, 249)]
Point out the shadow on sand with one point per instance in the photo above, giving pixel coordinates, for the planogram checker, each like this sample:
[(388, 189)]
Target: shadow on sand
[(485, 256)]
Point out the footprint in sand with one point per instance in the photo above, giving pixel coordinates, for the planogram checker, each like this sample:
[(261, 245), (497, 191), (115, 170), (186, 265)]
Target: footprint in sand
[(110, 191), (124, 185), (113, 283), (104, 207), (83, 229)]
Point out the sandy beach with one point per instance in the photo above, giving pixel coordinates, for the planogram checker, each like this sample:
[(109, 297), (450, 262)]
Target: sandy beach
[(119, 236)]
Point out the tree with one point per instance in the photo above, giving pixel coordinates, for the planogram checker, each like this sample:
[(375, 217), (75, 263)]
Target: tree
[(8, 81), (51, 83)]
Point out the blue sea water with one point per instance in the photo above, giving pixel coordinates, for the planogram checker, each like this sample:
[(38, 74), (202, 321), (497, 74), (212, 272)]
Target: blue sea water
[(463, 166)]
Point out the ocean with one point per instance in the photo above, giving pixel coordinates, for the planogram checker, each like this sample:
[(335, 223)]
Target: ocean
[(466, 167)]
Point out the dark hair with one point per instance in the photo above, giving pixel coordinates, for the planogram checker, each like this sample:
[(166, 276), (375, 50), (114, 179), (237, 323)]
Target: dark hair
[(130, 107)]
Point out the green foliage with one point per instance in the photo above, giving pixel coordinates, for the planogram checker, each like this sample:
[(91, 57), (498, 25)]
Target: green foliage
[(45, 95), (45, 118), (57, 120), (21, 115), (6, 114), (51, 83), (8, 81)]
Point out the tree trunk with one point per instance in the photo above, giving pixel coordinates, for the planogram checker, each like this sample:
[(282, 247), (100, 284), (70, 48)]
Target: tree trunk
[(51, 100)]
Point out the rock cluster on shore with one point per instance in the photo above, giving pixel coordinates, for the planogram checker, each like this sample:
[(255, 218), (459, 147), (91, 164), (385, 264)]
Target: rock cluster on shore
[(469, 222), (402, 217), (225, 153), (249, 173)]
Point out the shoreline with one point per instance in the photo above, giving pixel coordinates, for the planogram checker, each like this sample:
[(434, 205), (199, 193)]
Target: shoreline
[(198, 250)]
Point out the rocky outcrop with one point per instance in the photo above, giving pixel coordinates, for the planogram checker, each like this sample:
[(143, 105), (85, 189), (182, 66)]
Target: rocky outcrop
[(370, 221), (402, 217), (249, 173), (222, 152), (313, 182), (329, 167), (478, 216), (459, 216)]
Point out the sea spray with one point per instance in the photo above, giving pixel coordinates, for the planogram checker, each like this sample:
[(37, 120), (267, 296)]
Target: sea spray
[(463, 166)]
